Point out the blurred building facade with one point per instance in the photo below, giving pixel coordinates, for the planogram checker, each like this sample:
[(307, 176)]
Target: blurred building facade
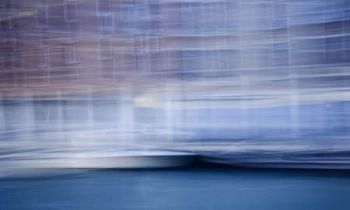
[(210, 68)]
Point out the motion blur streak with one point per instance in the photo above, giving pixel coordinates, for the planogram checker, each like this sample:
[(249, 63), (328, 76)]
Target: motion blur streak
[(234, 80)]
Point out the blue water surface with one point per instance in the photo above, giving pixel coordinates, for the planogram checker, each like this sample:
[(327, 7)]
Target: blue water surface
[(185, 189)]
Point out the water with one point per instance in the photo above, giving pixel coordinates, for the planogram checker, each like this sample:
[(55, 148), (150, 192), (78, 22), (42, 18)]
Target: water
[(189, 188)]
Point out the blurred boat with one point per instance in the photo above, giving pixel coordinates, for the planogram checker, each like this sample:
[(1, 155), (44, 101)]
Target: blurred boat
[(125, 159)]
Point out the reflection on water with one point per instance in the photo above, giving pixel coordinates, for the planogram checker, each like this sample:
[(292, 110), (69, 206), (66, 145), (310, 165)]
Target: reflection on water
[(196, 188)]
